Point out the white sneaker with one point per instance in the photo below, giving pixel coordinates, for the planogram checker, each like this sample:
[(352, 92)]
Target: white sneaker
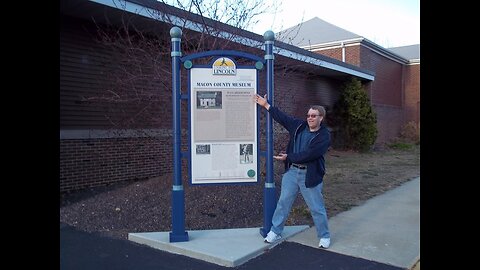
[(324, 243), (272, 237)]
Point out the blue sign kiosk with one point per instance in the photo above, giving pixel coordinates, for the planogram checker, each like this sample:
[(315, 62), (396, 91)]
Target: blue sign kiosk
[(216, 93)]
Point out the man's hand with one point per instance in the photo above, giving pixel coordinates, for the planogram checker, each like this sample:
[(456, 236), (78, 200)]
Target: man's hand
[(262, 101)]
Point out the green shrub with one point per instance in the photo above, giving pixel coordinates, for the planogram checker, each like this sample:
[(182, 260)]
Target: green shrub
[(356, 120)]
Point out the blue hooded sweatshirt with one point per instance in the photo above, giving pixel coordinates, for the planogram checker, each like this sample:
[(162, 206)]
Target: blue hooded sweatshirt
[(313, 158)]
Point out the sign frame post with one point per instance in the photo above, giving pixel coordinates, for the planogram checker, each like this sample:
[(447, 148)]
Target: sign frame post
[(269, 194), (178, 233)]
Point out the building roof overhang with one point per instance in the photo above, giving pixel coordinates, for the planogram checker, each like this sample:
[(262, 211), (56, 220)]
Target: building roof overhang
[(112, 11)]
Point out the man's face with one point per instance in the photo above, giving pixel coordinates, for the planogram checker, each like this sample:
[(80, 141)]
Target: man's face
[(314, 118)]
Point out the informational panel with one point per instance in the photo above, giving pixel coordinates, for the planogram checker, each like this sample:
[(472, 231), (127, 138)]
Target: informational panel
[(223, 123)]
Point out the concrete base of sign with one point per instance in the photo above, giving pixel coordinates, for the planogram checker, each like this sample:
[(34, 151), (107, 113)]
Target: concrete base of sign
[(226, 247)]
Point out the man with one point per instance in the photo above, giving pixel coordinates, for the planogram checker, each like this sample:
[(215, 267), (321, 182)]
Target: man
[(246, 157), (304, 169)]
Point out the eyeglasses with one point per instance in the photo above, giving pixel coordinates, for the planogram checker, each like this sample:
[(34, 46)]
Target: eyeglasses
[(312, 115)]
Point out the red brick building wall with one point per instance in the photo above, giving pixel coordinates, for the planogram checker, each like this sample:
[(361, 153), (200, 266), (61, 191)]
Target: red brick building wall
[(93, 151), (386, 89), (395, 92), (353, 55), (332, 53), (294, 94), (98, 162), (412, 96), (388, 122)]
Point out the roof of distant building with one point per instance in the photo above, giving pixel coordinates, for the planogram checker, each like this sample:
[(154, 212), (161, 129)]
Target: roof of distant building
[(314, 31), (317, 33), (409, 52)]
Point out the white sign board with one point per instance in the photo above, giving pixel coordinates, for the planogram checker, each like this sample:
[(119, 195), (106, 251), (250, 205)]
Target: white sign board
[(223, 124)]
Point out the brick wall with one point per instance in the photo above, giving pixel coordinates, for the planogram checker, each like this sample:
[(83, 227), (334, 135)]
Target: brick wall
[(97, 162), (395, 92), (388, 119), (387, 88), (332, 53), (294, 93), (412, 96)]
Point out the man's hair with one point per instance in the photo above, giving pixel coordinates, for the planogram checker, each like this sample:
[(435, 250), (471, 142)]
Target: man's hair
[(320, 109)]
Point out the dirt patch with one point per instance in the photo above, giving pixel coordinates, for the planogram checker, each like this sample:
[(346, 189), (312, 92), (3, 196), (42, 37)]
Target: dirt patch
[(145, 206)]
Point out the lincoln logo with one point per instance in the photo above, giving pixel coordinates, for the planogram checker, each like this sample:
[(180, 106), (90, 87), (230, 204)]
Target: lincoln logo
[(224, 66)]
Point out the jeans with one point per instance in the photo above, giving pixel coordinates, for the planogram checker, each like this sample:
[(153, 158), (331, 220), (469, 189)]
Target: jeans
[(292, 181)]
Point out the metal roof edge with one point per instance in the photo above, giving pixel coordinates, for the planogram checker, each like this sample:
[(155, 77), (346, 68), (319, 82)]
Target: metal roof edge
[(384, 51)]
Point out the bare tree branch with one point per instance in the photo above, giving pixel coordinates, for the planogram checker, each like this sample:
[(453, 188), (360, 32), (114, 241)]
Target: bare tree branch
[(138, 73)]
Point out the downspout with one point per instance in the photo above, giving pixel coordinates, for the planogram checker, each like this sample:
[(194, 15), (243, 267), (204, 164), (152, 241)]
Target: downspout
[(343, 51)]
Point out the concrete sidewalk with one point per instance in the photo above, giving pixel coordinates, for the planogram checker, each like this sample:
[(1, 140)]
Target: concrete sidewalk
[(385, 229)]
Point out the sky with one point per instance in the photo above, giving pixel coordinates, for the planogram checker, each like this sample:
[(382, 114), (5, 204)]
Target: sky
[(388, 23)]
